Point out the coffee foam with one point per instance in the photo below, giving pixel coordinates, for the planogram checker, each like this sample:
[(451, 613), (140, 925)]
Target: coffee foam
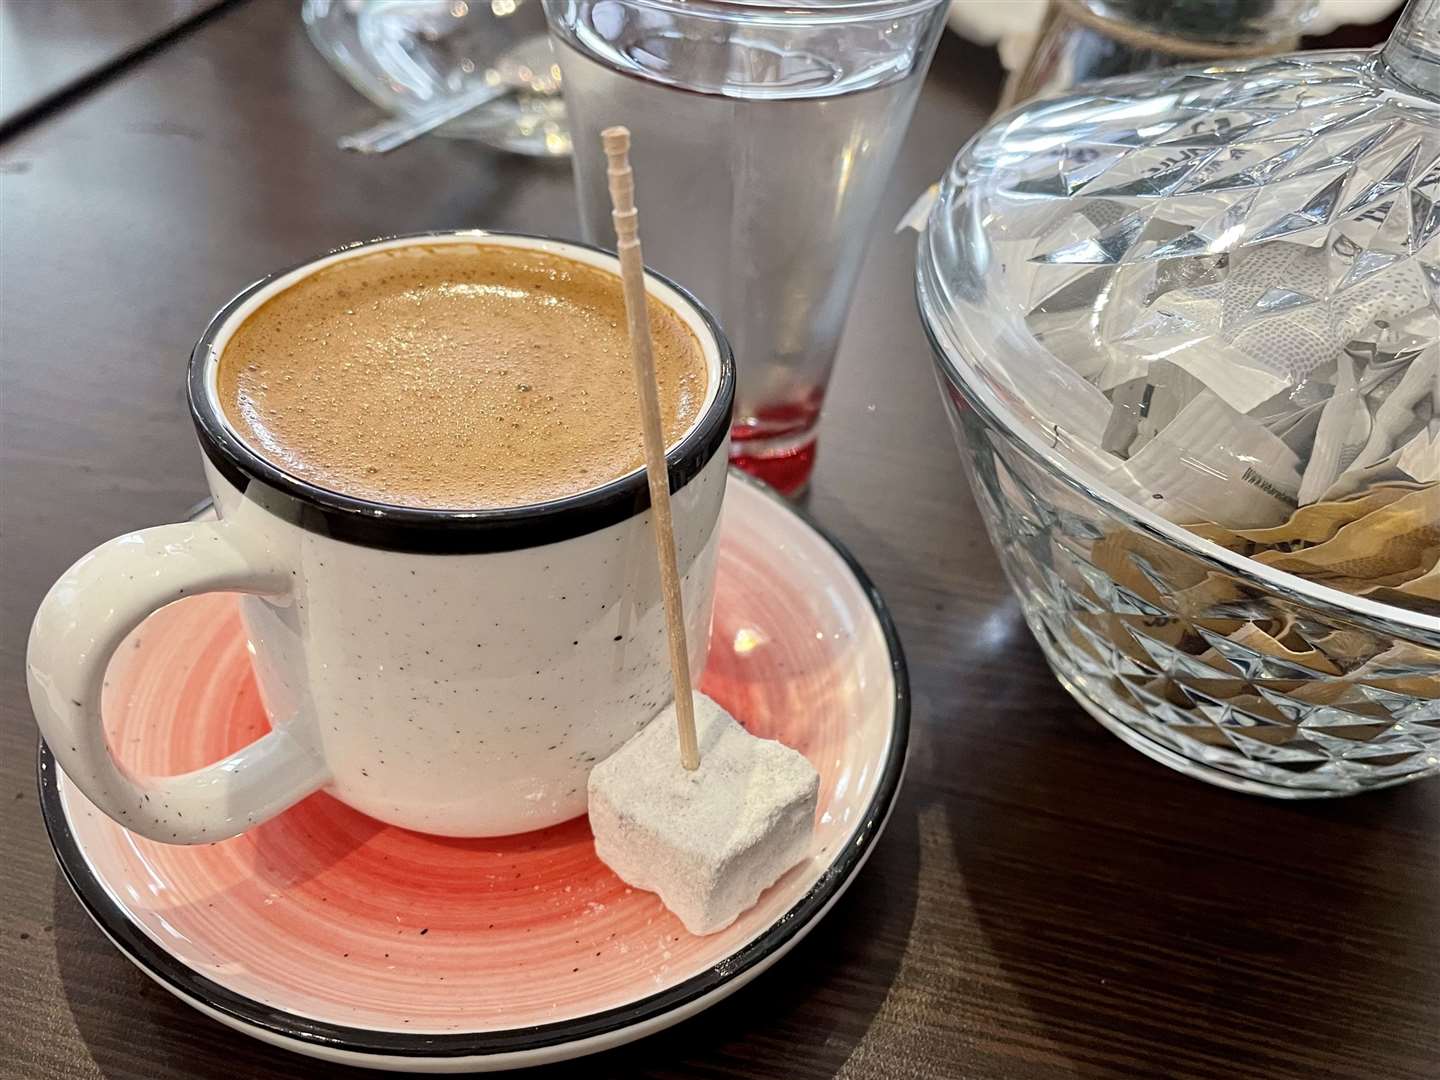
[(454, 376)]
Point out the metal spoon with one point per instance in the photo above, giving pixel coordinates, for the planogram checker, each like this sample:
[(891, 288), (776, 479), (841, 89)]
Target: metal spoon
[(529, 68)]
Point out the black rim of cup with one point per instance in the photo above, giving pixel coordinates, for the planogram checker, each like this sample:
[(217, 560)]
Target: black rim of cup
[(442, 531)]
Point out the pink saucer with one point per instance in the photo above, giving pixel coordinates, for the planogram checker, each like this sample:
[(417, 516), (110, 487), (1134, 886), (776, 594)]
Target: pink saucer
[(331, 934)]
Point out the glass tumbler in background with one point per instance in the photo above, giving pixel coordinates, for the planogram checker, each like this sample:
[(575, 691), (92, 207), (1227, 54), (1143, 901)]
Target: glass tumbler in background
[(763, 137)]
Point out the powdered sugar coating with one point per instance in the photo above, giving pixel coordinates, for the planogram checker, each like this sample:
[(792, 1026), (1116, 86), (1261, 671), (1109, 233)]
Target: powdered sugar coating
[(709, 842)]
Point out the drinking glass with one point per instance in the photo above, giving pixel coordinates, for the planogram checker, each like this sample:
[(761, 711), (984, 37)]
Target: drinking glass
[(763, 137)]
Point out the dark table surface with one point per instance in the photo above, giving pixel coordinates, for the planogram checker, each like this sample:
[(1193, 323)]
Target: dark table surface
[(1045, 903), (48, 48)]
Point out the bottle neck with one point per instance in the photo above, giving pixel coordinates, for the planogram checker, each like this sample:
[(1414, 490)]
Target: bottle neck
[(1412, 55)]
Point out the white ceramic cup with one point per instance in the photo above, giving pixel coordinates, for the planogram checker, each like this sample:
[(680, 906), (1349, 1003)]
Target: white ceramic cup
[(454, 672)]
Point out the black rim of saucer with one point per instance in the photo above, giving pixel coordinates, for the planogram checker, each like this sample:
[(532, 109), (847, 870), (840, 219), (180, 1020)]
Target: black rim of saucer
[(191, 985)]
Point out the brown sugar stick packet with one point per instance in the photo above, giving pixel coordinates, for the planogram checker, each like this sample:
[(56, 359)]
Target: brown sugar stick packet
[(1313, 524), (1403, 668), (1319, 522), (1252, 637), (1420, 593), (1386, 547)]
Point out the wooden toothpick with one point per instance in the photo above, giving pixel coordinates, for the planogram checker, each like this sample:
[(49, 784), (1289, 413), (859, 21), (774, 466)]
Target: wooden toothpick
[(632, 272)]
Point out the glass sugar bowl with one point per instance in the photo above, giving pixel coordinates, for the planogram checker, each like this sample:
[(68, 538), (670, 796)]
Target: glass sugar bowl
[(1186, 329)]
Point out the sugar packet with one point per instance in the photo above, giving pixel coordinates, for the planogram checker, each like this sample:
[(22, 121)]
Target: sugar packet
[(1407, 407), (1386, 547), (1212, 463), (1417, 461), (1343, 429), (1309, 525)]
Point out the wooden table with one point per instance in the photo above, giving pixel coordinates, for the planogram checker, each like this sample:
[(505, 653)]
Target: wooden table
[(50, 50), (1046, 902)]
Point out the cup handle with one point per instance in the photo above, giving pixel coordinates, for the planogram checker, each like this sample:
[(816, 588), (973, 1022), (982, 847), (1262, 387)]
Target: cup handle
[(82, 621)]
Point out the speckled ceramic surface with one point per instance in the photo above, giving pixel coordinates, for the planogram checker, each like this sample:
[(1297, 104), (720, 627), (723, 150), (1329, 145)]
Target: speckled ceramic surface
[(333, 934), (400, 651)]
